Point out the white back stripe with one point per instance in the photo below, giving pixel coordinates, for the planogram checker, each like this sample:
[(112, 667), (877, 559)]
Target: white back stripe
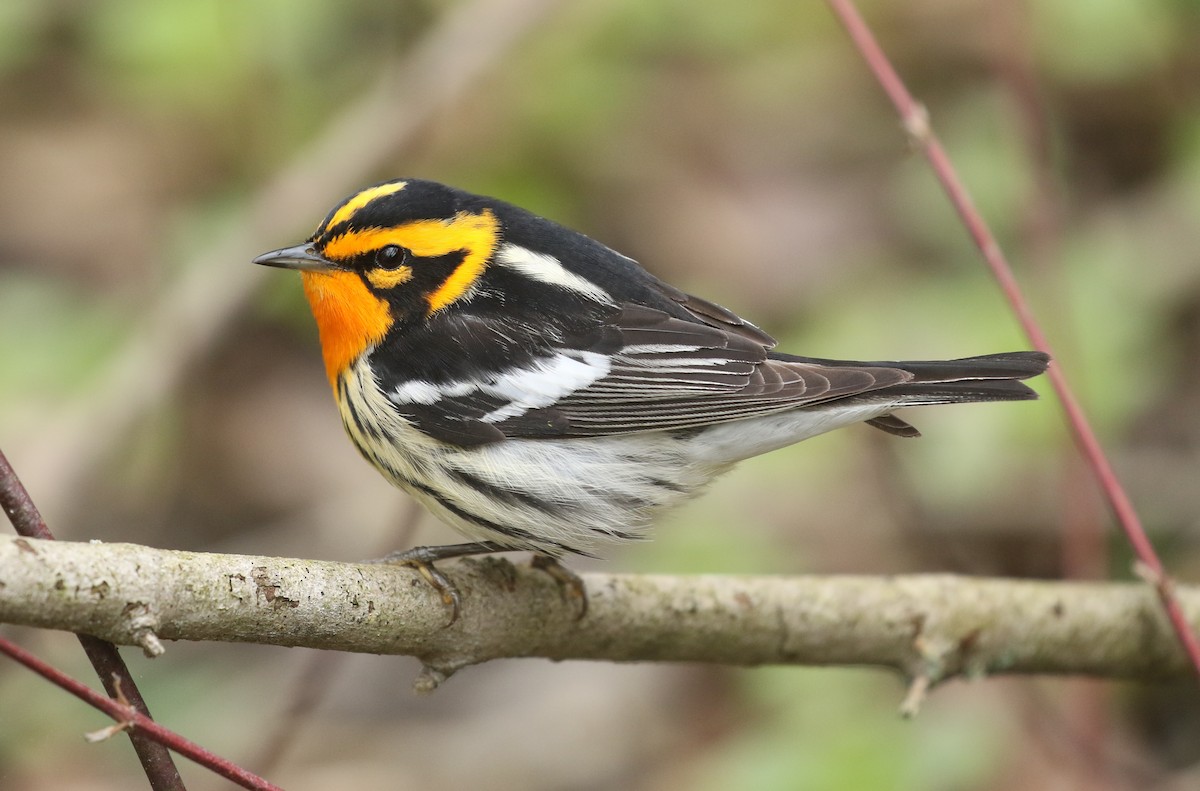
[(548, 269), (533, 387)]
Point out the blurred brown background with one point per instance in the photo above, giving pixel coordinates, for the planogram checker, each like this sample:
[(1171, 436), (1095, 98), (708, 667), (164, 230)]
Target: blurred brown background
[(157, 388)]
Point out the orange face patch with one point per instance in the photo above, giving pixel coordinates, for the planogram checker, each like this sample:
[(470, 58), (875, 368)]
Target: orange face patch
[(350, 319)]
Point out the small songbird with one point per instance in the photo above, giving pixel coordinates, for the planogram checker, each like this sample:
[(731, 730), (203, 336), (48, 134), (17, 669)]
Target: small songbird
[(539, 391)]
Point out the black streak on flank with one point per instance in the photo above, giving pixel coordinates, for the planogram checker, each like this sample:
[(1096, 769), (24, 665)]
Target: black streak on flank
[(506, 530), (370, 429), (514, 496)]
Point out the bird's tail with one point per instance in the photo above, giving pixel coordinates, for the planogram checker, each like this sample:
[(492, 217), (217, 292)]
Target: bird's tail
[(990, 377)]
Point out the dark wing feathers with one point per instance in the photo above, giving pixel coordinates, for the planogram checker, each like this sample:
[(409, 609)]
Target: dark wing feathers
[(650, 370), (671, 374), (652, 358), (715, 315)]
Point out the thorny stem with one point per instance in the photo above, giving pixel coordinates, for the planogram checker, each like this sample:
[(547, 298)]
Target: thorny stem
[(916, 123)]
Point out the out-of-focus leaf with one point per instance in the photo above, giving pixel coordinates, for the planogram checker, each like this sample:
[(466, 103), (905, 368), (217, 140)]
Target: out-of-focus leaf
[(1106, 39), (827, 729)]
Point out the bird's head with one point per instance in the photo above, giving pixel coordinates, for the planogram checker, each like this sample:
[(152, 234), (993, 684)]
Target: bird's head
[(391, 254)]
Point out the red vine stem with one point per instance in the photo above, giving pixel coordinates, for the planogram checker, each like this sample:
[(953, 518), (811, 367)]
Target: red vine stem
[(128, 716), (110, 667), (916, 123)]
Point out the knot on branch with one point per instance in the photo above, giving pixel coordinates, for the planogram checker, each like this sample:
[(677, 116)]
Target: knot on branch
[(142, 624)]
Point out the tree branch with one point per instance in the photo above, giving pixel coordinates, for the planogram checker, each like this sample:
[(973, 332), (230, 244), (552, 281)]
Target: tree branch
[(156, 759), (929, 627)]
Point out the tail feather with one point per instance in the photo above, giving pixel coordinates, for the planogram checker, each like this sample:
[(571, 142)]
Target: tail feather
[(1008, 365), (894, 425), (917, 392), (1011, 366), (990, 377)]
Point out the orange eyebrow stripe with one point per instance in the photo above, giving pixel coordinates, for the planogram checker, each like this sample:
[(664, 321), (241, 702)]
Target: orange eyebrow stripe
[(350, 207), (477, 235)]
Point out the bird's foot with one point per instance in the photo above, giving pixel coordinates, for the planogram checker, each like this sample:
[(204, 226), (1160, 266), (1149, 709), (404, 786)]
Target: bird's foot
[(423, 558), (570, 584)]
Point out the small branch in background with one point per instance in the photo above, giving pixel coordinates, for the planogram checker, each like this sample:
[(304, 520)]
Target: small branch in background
[(130, 719), (1086, 707), (916, 122), (306, 692), (156, 760), (939, 626), (319, 668)]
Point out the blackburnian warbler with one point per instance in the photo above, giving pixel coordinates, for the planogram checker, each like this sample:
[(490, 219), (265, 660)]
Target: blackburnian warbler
[(539, 391)]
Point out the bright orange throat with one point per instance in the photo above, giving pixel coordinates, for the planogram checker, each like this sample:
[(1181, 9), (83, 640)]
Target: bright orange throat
[(350, 319)]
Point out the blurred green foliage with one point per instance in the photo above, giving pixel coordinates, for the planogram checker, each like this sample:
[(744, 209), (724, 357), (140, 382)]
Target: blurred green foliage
[(809, 734)]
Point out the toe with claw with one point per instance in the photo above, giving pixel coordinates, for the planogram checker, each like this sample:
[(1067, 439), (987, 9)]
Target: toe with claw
[(570, 584), (422, 559)]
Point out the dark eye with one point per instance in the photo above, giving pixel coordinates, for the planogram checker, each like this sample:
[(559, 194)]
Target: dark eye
[(391, 256)]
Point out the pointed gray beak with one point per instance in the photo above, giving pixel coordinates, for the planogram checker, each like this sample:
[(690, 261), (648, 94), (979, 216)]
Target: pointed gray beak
[(301, 257)]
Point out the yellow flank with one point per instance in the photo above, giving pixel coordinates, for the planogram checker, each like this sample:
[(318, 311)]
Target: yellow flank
[(349, 318), (390, 278), (475, 234), (362, 199)]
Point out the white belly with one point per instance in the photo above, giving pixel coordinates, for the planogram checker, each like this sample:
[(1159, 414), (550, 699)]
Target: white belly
[(564, 495)]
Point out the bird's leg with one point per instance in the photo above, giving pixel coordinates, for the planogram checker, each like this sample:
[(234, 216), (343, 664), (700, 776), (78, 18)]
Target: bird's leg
[(570, 584), (422, 559)]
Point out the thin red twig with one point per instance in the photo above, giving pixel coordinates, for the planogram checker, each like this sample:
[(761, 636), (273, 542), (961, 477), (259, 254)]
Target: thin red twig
[(156, 760), (916, 122), (127, 715)]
